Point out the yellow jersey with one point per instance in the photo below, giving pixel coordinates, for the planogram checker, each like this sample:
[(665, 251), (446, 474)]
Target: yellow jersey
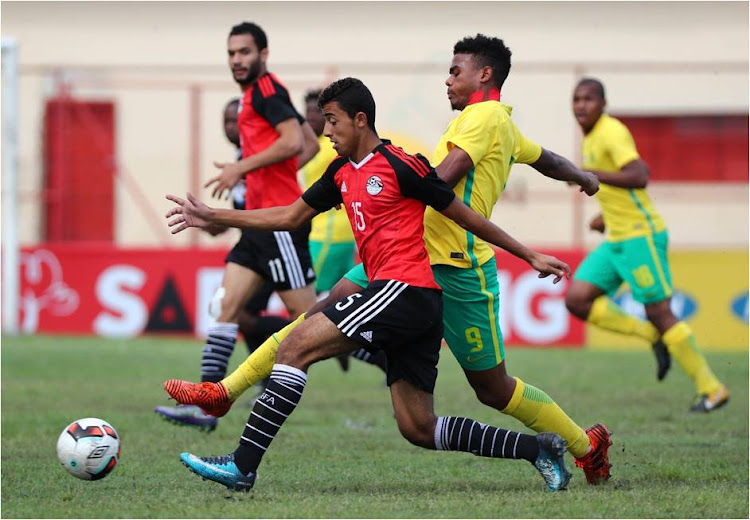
[(485, 131), (332, 226), (627, 213)]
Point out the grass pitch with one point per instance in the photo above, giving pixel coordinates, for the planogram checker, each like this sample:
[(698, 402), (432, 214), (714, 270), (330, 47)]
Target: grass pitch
[(341, 455)]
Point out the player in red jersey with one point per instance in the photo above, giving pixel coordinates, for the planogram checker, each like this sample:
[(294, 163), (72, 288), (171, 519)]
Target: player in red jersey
[(385, 192), (275, 141)]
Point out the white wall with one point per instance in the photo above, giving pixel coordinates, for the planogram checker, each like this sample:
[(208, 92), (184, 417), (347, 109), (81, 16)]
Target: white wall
[(654, 57)]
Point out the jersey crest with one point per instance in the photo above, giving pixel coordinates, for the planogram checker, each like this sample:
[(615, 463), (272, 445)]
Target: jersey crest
[(374, 185)]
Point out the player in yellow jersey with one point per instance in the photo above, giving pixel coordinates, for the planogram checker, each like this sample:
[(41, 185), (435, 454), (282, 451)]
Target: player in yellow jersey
[(475, 156), (635, 250)]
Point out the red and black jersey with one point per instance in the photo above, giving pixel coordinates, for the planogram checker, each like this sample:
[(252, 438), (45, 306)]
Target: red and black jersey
[(385, 197), (264, 105)]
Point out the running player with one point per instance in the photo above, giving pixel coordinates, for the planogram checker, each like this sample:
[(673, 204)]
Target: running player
[(475, 155), (384, 191), (635, 250), (332, 245), (272, 135)]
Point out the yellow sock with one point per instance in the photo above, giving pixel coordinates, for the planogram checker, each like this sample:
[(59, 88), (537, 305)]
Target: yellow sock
[(539, 412), (607, 314), (681, 344), (258, 365)]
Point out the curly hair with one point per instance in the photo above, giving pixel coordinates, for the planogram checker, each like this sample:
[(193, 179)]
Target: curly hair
[(488, 52), (352, 96)]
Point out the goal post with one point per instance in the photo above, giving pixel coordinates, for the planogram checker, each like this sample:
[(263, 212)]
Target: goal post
[(10, 239)]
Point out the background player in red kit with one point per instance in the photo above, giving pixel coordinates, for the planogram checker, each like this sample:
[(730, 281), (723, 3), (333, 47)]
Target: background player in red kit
[(385, 192), (275, 141)]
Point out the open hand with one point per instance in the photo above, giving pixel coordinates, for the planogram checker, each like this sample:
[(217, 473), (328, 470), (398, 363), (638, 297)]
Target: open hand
[(547, 265), (188, 213), (226, 180)]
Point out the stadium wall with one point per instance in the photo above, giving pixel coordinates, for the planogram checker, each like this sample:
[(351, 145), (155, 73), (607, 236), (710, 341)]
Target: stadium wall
[(163, 65)]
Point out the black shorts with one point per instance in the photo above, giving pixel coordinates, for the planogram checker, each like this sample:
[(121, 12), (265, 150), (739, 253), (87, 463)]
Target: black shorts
[(281, 257), (404, 321)]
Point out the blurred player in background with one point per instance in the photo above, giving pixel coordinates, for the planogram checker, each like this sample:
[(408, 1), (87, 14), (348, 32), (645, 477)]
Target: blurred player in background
[(255, 326), (385, 192), (332, 245), (276, 140), (475, 156), (635, 250)]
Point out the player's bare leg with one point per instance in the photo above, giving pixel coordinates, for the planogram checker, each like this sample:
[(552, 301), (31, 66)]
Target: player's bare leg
[(298, 301), (589, 303), (536, 410), (680, 341), (314, 339), (217, 398), (414, 411)]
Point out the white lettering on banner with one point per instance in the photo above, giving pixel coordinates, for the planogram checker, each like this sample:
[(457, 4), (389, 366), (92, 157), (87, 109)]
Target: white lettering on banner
[(130, 314), (207, 281), (517, 318)]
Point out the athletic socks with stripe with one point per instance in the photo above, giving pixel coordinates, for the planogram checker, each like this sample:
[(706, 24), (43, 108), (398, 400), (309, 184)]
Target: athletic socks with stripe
[(461, 434), (271, 409), (217, 351)]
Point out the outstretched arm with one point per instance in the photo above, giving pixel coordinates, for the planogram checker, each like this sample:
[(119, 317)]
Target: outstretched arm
[(558, 167), (473, 222), (633, 175), (191, 212)]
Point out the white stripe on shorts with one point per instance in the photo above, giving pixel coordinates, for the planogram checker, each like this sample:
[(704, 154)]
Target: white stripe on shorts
[(291, 260), (373, 307)]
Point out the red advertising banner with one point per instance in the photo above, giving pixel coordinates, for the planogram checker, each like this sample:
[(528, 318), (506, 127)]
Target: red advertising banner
[(102, 290)]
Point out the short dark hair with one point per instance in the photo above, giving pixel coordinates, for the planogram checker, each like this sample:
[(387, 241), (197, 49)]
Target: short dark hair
[(488, 52), (352, 96), (233, 101), (312, 95), (259, 36), (595, 83)]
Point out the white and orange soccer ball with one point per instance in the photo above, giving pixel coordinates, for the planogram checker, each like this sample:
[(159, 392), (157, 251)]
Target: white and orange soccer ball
[(89, 448)]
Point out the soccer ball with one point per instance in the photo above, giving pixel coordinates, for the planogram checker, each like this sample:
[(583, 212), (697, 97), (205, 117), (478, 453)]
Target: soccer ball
[(89, 448)]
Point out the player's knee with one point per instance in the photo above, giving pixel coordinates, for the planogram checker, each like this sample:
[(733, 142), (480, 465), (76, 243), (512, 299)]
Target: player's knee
[(576, 304), (224, 307)]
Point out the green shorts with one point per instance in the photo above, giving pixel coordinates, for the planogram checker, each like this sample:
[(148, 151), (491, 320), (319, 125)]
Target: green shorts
[(471, 311), (641, 262), (331, 261)]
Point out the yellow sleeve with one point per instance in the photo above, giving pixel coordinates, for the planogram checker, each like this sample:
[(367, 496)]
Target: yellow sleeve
[(621, 146), (526, 150), (474, 133)]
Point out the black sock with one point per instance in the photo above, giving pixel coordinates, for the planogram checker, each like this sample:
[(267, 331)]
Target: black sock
[(460, 434), (217, 351), (270, 411)]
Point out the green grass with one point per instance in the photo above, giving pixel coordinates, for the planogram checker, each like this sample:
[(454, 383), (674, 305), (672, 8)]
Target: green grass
[(340, 454)]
